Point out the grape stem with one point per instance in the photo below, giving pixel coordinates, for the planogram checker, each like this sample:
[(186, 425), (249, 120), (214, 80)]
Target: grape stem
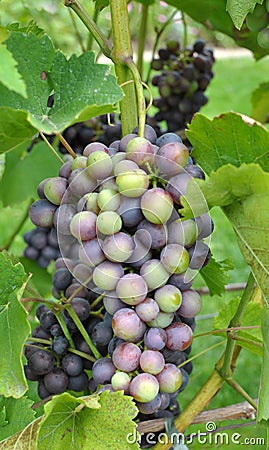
[(66, 145), (103, 43), (98, 300), (63, 325), (200, 353), (82, 330), (142, 38), (185, 30), (225, 330), (51, 147), (140, 96)]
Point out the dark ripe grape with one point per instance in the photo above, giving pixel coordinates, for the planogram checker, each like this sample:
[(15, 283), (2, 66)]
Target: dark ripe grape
[(147, 310), (144, 387), (78, 383), (112, 303), (130, 211), (203, 81), (194, 171), (188, 72), (81, 344), (77, 289), (65, 170), (131, 289), (40, 188), (99, 165), (126, 357), (42, 391), (188, 367), (171, 356), (90, 323), (56, 330), (61, 279), (101, 334), (164, 53), (113, 343), (49, 253), (40, 309), (70, 324), (81, 307), (200, 98), (56, 381), (191, 304), (59, 345), (106, 387), (102, 370), (31, 374), (157, 232), (152, 361), (31, 253), (128, 326), (62, 218), (41, 213), (54, 189), (41, 362), (199, 255), (108, 319), (155, 338), (167, 138), (150, 407), (149, 134), (165, 400), (31, 348), (174, 407), (38, 239), (43, 262), (125, 140), (177, 186), (120, 381), (80, 183), (82, 273), (40, 332), (170, 378), (53, 239), (185, 379), (191, 322), (156, 64), (179, 336), (47, 319), (199, 46), (182, 281), (205, 225), (92, 385)]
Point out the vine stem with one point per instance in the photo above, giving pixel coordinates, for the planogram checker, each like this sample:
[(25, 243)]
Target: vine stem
[(79, 38), (185, 30), (140, 97), (142, 38), (18, 228), (225, 370), (103, 43), (51, 147), (238, 388), (66, 145), (82, 330), (224, 330)]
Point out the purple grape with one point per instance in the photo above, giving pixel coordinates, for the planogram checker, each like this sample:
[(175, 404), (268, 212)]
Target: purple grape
[(152, 361), (127, 325), (147, 310), (155, 338), (102, 370), (126, 357), (56, 381), (179, 336), (170, 378), (131, 289)]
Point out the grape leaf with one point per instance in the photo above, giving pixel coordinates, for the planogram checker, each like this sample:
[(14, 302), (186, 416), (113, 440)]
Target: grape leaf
[(263, 405), (40, 163), (260, 103), (82, 88), (9, 74), (40, 279), (18, 414), (14, 328), (214, 16), (252, 318), (101, 4), (31, 27), (239, 9), (215, 275), (14, 129), (229, 138), (10, 220), (22, 440), (243, 192), (68, 426)]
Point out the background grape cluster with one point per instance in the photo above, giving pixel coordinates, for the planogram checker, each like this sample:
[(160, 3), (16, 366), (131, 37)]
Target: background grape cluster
[(124, 312), (184, 75)]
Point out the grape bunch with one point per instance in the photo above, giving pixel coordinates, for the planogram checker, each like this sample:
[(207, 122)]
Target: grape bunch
[(182, 81), (42, 245), (96, 129), (124, 306)]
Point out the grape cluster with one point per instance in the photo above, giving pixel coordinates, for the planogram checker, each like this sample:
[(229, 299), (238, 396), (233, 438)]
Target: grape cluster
[(96, 129), (125, 273), (183, 79), (42, 245)]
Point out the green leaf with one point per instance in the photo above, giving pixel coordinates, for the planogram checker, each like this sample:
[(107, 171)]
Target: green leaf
[(22, 440), (31, 27), (260, 103), (82, 88), (214, 15), (243, 193), (101, 4), (263, 405), (18, 414), (23, 174), (40, 280), (11, 218), (239, 9), (14, 129), (67, 425), (14, 328), (229, 138), (215, 275), (9, 74), (252, 318)]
